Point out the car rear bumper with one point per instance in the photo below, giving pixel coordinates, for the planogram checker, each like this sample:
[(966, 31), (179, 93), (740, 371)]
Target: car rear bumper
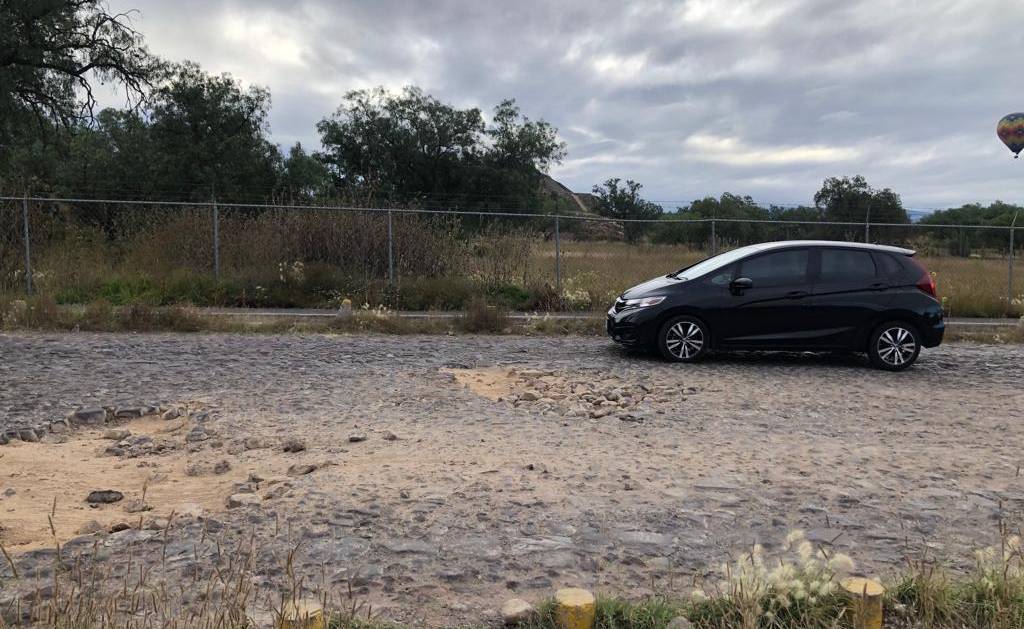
[(933, 327), (931, 336)]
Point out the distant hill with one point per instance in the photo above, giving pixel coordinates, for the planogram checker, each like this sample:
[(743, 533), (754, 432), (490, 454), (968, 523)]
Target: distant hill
[(582, 203)]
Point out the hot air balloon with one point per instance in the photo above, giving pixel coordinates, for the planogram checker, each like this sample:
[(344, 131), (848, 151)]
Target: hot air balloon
[(1011, 131)]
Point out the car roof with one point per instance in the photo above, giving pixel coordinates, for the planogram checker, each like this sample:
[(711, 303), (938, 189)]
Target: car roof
[(767, 246)]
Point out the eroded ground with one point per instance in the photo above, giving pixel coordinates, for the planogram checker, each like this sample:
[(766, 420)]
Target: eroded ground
[(487, 467)]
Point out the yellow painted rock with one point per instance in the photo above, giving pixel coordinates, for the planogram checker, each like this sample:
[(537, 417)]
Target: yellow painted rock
[(302, 615), (575, 608), (865, 602)]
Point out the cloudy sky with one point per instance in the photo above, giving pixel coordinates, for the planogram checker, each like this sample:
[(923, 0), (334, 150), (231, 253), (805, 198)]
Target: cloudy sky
[(691, 98)]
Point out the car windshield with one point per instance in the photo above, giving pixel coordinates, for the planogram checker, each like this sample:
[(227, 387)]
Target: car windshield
[(713, 263)]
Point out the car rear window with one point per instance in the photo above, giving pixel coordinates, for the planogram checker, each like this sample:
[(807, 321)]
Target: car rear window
[(888, 265), (846, 265)]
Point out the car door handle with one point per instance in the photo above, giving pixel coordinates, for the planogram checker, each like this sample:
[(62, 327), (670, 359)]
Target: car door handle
[(797, 294), (879, 286)]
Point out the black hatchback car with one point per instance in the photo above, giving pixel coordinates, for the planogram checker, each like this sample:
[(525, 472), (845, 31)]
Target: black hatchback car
[(791, 295)]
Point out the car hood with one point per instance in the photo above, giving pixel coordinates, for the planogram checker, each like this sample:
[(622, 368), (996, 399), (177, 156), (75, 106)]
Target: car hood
[(651, 287)]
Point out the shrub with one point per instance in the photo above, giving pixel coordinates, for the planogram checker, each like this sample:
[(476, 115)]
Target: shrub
[(484, 317)]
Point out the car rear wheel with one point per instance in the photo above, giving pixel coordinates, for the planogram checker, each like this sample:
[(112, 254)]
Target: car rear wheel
[(894, 346), (683, 339)]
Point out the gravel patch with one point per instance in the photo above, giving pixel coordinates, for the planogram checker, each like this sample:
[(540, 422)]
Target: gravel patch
[(424, 470)]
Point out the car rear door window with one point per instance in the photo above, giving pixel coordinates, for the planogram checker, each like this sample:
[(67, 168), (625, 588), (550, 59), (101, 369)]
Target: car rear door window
[(782, 268), (846, 266)]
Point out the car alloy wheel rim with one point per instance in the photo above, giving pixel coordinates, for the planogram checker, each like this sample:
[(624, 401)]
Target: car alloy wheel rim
[(896, 346), (685, 339)]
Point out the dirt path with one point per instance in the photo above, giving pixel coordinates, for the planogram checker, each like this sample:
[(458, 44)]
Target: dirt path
[(442, 475)]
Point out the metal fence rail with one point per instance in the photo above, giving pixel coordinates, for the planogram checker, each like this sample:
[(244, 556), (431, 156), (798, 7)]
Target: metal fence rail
[(555, 220)]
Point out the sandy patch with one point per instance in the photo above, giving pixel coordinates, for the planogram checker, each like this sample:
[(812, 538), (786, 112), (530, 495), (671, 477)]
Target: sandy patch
[(40, 482)]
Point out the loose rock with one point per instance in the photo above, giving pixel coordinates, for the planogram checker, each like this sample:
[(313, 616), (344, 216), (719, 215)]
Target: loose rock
[(301, 469), (516, 610), (293, 445), (104, 496)]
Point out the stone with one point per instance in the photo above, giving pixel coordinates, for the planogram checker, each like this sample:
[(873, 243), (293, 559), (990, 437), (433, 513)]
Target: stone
[(28, 435), (120, 526), (116, 434), (356, 437), (170, 414), (104, 496), (255, 443), (91, 527), (293, 445), (129, 412), (196, 435), (243, 500), (222, 467), (389, 436), (679, 623), (90, 416), (529, 396), (516, 610), (136, 506), (301, 469)]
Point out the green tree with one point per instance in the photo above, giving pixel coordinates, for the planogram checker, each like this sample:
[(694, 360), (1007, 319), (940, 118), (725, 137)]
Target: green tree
[(963, 241), (209, 137), (303, 177), (620, 201), (411, 147), (399, 146), (52, 52), (845, 199)]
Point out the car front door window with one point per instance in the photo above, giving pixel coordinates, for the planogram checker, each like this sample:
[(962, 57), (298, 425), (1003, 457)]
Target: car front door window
[(781, 268)]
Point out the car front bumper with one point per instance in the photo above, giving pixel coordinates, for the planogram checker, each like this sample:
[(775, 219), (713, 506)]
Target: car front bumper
[(634, 327)]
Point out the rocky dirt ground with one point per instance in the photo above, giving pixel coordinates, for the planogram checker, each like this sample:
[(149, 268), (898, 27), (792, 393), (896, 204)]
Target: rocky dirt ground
[(437, 476)]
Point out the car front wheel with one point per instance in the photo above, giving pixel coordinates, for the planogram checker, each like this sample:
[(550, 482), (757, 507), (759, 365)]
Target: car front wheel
[(683, 339), (894, 346)]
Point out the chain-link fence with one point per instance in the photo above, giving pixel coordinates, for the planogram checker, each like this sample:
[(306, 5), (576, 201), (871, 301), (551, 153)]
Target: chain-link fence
[(229, 254)]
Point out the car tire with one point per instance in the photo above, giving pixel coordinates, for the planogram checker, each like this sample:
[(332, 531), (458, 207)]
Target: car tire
[(683, 339), (894, 346)]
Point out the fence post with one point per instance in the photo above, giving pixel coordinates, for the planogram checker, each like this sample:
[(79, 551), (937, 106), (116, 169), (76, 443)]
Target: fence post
[(1009, 265), (391, 251), (28, 245), (867, 224), (558, 258), (714, 239), (216, 241)]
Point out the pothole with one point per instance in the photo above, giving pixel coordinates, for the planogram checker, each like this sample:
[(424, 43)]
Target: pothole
[(582, 395)]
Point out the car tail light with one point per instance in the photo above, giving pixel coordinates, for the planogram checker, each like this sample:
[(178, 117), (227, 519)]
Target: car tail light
[(926, 284)]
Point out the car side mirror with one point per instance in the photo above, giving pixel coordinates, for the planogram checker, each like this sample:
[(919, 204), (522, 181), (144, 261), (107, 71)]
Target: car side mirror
[(741, 284)]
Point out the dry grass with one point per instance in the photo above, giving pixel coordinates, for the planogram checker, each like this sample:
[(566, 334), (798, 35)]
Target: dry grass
[(162, 257)]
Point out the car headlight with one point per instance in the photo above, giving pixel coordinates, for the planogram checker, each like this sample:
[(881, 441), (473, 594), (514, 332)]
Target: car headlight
[(643, 302)]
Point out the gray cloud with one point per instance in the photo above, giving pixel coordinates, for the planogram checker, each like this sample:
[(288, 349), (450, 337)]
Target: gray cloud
[(692, 98)]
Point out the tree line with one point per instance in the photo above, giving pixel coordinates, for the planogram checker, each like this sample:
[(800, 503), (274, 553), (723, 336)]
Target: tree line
[(186, 134)]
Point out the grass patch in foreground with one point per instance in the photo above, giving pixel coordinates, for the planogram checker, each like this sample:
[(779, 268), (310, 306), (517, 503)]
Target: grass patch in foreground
[(799, 589)]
